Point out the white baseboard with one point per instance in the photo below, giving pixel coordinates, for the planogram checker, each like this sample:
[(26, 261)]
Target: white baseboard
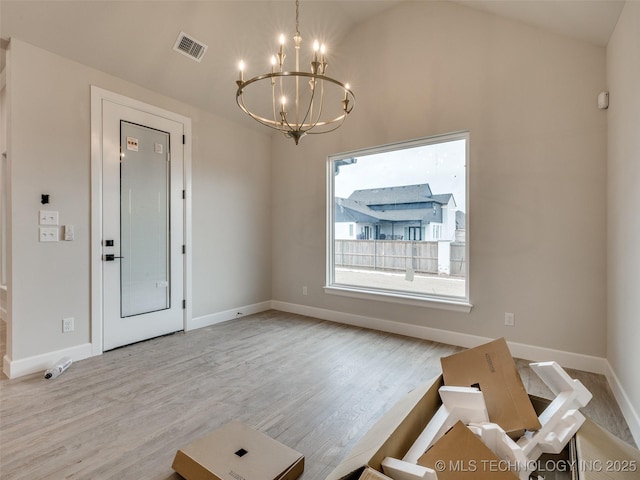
[(39, 363), (534, 353), (519, 350), (631, 415), (213, 318)]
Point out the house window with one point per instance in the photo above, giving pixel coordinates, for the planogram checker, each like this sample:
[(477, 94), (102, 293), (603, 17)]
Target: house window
[(409, 202)]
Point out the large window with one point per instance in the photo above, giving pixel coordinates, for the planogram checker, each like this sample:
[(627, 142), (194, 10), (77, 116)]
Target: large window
[(397, 218)]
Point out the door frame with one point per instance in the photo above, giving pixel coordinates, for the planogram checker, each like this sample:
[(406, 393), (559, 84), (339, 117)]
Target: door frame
[(98, 97)]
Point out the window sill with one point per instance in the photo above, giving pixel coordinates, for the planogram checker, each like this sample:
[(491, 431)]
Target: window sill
[(396, 297)]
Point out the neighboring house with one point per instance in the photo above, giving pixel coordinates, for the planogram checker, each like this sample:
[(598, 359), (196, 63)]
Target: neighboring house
[(409, 212)]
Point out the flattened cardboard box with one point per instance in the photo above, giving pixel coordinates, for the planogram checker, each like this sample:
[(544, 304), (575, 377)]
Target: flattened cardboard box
[(459, 454), (491, 367), (603, 456), (236, 451)]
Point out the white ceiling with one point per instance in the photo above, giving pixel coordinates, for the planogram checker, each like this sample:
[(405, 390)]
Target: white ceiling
[(134, 39)]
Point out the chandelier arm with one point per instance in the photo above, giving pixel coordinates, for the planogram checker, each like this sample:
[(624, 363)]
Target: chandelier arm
[(310, 109), (273, 99), (277, 125), (309, 132), (315, 124), (264, 121)]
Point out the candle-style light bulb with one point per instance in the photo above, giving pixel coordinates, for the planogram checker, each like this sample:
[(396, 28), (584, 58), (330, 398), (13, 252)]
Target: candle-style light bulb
[(323, 60), (316, 47), (241, 67), (273, 63), (281, 54)]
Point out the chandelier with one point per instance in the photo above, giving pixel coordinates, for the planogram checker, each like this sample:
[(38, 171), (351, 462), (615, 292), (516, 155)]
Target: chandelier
[(296, 103)]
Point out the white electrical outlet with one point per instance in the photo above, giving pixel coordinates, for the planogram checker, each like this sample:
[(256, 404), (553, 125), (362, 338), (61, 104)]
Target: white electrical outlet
[(509, 319), (48, 217), (48, 234), (67, 325), (304, 290)]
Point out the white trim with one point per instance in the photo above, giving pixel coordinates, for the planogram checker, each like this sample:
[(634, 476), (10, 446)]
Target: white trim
[(233, 314), (96, 220), (98, 95), (631, 415), (399, 297), (3, 311), (39, 363), (435, 301)]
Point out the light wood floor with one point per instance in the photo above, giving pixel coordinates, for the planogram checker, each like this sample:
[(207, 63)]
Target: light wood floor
[(315, 386)]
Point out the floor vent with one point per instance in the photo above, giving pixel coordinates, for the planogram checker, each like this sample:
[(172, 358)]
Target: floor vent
[(190, 47)]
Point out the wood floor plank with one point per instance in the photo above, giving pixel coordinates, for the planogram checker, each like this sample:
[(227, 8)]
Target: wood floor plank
[(313, 385)]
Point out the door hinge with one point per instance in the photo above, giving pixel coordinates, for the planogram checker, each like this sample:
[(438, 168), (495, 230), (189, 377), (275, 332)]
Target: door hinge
[(184, 139), (184, 194), (184, 304), (184, 249)]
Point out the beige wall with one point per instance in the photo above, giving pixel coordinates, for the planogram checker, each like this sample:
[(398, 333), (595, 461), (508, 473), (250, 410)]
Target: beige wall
[(623, 174), (50, 153), (537, 169)]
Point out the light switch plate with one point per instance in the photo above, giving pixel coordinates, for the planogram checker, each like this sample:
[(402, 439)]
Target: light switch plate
[(69, 233)]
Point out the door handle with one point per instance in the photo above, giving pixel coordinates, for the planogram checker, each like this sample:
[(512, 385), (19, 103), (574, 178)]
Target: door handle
[(110, 257)]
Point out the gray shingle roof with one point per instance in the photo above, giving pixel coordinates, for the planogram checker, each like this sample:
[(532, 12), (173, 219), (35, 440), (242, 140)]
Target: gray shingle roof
[(393, 195)]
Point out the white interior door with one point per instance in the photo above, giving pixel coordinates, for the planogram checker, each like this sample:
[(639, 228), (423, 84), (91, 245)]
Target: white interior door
[(143, 225)]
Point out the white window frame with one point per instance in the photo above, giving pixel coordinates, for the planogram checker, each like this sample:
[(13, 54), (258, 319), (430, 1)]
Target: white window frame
[(461, 304)]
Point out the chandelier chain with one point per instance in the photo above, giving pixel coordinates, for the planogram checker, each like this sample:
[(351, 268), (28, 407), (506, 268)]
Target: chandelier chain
[(298, 17)]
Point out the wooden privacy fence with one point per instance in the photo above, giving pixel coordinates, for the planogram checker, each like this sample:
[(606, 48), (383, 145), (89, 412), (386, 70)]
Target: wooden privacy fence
[(396, 255)]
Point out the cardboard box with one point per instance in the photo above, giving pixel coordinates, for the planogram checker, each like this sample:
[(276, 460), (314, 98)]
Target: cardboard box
[(492, 368), (600, 455), (238, 452), (459, 454), (393, 434), (603, 456)]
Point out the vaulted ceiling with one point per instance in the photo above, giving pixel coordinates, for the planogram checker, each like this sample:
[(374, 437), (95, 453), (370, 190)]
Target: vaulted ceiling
[(134, 39)]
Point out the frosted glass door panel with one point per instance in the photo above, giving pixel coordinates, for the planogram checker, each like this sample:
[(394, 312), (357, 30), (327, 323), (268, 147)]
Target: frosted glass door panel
[(144, 220)]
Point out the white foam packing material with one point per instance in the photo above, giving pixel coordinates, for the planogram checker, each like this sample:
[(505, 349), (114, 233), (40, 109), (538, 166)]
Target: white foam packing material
[(505, 448), (559, 422), (561, 419), (401, 470), (458, 403)]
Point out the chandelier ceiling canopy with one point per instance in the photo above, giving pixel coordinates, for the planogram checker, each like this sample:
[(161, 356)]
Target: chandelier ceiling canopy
[(297, 102)]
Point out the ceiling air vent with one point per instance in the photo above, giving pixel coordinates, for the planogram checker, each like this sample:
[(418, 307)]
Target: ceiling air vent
[(190, 47)]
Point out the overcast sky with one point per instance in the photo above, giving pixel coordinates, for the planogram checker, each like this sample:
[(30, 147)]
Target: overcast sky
[(441, 165)]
